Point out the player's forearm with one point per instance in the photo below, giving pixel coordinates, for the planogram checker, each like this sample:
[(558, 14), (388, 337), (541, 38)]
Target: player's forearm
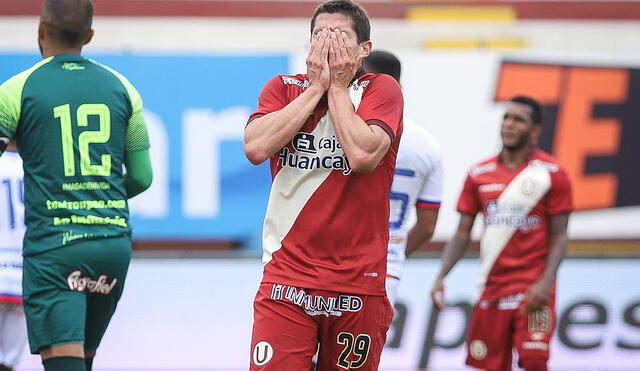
[(453, 251), (416, 238), (360, 143), (558, 245), (421, 232), (139, 172), (266, 135)]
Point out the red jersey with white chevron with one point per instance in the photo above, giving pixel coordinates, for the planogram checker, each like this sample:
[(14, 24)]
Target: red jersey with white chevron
[(326, 227), (516, 205)]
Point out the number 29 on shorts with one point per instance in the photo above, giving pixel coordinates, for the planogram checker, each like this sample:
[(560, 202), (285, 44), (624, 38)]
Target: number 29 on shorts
[(358, 345)]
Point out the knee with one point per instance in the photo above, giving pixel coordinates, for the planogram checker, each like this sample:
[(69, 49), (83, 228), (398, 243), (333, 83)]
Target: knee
[(533, 364)]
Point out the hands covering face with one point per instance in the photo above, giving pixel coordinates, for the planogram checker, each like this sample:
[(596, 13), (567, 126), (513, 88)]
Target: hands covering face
[(331, 61)]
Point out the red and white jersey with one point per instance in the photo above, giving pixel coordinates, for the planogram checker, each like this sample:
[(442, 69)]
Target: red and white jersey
[(12, 227), (516, 205), (417, 183), (326, 227)]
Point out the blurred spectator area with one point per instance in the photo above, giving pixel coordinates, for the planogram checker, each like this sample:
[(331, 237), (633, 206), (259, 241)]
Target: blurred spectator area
[(413, 9)]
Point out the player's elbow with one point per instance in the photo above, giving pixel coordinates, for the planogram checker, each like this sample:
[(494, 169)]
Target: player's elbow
[(362, 162), (429, 230), (428, 235), (137, 183), (145, 183), (254, 152)]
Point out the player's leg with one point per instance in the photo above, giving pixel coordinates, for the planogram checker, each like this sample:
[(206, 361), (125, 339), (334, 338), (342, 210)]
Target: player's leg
[(284, 337), (105, 263), (532, 337), (108, 258), (54, 312), (355, 338), (489, 344), (13, 335), (3, 335), (392, 286)]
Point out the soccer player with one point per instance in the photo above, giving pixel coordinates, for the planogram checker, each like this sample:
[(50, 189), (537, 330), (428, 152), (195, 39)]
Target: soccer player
[(525, 198), (76, 122), (331, 136), (13, 329), (417, 184)]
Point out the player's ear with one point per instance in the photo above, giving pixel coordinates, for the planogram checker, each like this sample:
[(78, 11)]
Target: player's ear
[(366, 48), (536, 130), (42, 31), (88, 38)]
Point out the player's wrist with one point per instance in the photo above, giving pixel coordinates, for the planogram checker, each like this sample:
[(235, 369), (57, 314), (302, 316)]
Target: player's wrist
[(547, 281), (337, 89), (316, 88)]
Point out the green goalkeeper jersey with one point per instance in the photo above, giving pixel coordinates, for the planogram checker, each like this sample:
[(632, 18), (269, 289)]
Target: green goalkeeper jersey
[(73, 119)]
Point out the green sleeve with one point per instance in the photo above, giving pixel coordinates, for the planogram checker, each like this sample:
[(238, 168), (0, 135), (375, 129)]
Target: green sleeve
[(10, 96), (11, 102), (139, 173), (137, 137)]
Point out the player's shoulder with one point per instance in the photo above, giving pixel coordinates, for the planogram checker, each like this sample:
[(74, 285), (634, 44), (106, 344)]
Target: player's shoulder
[(546, 160), (421, 133), (18, 80), (559, 175), (418, 138), (118, 78), (380, 86), (367, 79), (485, 166), (299, 80), (107, 70)]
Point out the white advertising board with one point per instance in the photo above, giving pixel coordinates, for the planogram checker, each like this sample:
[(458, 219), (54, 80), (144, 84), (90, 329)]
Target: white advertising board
[(197, 315)]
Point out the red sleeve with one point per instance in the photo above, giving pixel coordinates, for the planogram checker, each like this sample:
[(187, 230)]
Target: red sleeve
[(468, 202), (560, 198), (273, 97), (382, 104)]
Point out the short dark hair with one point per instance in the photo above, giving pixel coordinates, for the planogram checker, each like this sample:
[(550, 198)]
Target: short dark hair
[(536, 111), (68, 21), (359, 18), (380, 61)]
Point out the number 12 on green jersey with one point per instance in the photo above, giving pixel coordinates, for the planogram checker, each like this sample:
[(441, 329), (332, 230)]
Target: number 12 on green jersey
[(85, 138)]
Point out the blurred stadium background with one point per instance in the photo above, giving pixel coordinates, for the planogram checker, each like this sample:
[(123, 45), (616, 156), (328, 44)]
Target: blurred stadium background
[(200, 64)]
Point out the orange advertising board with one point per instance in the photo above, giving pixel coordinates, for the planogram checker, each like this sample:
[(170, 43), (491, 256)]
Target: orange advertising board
[(591, 124)]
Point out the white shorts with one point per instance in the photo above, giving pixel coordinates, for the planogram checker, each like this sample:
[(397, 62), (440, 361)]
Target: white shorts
[(393, 285), (13, 333)]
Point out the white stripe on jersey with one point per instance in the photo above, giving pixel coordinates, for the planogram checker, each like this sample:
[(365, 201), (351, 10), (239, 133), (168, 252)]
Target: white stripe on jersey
[(292, 188), (514, 203), (418, 176), (12, 226)]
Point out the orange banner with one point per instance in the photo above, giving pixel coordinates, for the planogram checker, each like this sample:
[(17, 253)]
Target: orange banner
[(589, 125)]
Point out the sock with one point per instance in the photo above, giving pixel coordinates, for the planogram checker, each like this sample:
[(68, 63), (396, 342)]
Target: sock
[(88, 363), (64, 364)]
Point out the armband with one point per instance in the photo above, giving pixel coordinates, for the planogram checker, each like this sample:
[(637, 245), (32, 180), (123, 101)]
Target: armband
[(4, 142)]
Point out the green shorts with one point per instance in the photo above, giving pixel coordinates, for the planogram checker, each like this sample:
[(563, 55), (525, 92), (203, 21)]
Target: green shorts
[(71, 293)]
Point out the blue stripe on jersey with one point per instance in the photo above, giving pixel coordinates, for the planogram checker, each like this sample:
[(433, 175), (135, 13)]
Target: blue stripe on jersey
[(405, 172), (428, 202)]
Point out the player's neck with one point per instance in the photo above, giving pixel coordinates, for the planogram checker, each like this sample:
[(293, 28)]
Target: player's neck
[(54, 50), (11, 147), (513, 158)]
